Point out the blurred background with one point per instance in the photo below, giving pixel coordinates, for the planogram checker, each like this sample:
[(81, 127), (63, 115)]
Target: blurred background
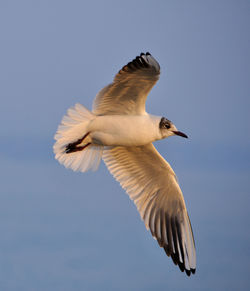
[(61, 230)]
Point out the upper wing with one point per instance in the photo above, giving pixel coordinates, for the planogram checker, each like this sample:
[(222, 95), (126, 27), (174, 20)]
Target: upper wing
[(151, 184), (128, 92)]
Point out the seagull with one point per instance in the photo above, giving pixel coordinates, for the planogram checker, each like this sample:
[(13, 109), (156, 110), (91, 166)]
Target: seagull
[(121, 132)]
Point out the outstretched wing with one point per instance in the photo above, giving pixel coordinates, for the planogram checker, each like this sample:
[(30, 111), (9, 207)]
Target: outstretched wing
[(128, 92), (151, 184)]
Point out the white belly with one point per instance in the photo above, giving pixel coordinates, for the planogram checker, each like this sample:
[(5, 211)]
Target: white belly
[(125, 130)]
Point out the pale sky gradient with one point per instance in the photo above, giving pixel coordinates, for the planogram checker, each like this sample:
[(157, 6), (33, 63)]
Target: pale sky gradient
[(62, 230)]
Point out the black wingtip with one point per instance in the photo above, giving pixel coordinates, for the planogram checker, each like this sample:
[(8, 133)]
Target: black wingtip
[(167, 250), (181, 267), (143, 61), (130, 65), (188, 272), (174, 258), (177, 262)]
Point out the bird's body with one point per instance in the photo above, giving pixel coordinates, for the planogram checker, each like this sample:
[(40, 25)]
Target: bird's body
[(125, 130), (121, 132)]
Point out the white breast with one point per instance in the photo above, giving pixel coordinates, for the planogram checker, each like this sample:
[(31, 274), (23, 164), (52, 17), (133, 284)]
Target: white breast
[(125, 130)]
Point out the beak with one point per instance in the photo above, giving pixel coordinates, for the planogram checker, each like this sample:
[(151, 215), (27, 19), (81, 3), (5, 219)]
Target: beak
[(180, 134)]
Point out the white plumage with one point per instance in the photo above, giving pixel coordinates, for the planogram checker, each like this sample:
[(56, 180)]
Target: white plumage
[(120, 131)]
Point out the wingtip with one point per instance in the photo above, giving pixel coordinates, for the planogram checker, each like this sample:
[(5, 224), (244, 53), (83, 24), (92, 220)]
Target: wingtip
[(177, 262), (145, 54), (188, 272)]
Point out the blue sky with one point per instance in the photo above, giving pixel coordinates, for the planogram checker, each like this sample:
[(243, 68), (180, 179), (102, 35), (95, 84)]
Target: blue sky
[(62, 230)]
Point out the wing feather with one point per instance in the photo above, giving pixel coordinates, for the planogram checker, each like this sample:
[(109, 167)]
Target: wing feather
[(151, 184), (128, 92)]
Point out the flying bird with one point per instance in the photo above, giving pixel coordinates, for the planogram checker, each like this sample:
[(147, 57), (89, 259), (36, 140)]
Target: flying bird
[(121, 132)]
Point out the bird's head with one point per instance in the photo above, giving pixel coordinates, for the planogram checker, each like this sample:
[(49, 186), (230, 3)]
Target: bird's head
[(167, 128)]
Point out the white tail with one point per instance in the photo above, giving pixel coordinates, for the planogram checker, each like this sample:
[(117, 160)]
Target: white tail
[(72, 132)]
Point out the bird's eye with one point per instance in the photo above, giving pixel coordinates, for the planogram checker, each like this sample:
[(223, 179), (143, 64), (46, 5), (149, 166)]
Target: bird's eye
[(165, 123)]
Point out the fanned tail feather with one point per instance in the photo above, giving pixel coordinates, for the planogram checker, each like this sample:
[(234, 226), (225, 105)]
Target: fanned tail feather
[(71, 131)]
